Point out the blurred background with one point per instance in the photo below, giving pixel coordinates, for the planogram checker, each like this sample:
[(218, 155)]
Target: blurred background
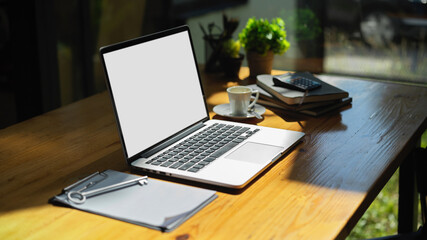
[(49, 48)]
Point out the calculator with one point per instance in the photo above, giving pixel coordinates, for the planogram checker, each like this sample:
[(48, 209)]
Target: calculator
[(298, 83)]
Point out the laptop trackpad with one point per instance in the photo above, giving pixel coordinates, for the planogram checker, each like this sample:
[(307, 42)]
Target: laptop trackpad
[(255, 153)]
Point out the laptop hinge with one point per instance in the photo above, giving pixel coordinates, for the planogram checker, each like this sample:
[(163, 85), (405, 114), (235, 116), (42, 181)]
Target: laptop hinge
[(172, 140)]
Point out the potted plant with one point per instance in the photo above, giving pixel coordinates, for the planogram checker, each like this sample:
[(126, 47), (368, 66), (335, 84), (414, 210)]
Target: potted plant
[(306, 28), (217, 38), (261, 40), (231, 58)]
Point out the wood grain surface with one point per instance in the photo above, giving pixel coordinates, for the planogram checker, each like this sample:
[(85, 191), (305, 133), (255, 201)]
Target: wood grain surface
[(318, 191)]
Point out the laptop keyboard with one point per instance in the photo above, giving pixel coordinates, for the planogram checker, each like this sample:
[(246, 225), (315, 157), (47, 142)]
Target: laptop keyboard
[(202, 148)]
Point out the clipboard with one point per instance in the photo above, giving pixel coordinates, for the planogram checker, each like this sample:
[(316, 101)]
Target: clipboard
[(157, 204)]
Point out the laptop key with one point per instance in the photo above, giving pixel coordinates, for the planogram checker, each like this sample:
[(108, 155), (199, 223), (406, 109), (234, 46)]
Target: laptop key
[(243, 130), (186, 166), (176, 165), (203, 163), (224, 149), (209, 159), (193, 169), (167, 164), (199, 166), (156, 163), (209, 145), (150, 161)]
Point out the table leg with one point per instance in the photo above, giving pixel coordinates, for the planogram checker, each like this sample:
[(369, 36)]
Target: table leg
[(408, 197)]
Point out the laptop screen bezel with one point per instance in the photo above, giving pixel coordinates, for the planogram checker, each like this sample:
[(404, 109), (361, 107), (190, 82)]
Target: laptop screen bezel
[(136, 41)]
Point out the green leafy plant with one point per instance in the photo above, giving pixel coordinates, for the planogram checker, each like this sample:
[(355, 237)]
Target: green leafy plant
[(261, 36), (231, 48), (305, 24), (217, 39)]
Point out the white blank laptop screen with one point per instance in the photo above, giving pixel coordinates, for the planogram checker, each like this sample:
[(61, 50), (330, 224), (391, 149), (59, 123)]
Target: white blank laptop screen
[(156, 90)]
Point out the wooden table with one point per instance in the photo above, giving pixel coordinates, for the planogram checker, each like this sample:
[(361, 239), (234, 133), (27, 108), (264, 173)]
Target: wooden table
[(318, 191)]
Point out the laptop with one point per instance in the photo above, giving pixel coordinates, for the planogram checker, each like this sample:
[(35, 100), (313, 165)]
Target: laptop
[(163, 119)]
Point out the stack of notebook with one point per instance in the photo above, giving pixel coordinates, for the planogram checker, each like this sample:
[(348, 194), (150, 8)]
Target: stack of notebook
[(314, 103)]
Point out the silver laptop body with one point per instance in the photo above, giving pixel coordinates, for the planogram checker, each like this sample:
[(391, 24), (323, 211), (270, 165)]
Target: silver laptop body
[(160, 109)]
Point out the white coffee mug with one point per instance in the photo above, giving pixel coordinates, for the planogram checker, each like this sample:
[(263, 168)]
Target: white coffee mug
[(239, 97)]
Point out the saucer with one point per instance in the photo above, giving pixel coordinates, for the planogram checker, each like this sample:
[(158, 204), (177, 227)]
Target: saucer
[(224, 110)]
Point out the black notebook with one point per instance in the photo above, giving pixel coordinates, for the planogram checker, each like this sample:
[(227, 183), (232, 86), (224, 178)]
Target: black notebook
[(268, 100), (326, 92)]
